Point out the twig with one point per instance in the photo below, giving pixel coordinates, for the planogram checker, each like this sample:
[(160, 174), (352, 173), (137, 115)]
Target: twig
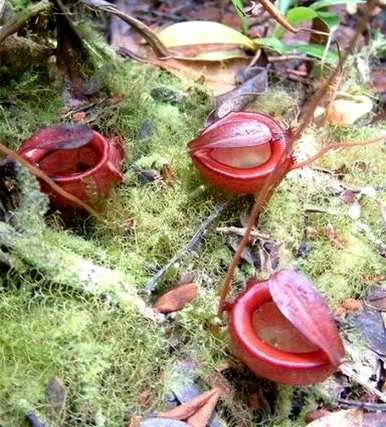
[(241, 232), (368, 406), (127, 53), (303, 80), (362, 380), (262, 198), (159, 48), (281, 19), (297, 73), (337, 146), (22, 18), (284, 58), (198, 235), (44, 177)]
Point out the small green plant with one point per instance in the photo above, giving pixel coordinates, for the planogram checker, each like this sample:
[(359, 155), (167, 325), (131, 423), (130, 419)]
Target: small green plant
[(294, 15)]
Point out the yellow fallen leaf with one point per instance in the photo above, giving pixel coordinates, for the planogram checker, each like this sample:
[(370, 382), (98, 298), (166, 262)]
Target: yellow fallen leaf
[(208, 52), (346, 110), (203, 32)]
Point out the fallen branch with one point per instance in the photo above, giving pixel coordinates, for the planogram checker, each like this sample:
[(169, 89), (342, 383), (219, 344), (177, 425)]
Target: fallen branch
[(362, 380), (241, 232), (279, 18), (22, 18), (67, 268), (44, 177), (198, 235), (284, 58), (368, 406)]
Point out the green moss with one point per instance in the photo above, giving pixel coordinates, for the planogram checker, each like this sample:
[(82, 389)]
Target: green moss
[(86, 343), (27, 103)]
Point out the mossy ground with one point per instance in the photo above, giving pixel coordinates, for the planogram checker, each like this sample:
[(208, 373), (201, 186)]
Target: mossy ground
[(107, 357)]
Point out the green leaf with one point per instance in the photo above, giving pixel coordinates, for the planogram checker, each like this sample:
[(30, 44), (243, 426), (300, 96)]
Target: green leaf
[(314, 50), (272, 43), (283, 5), (317, 51), (326, 3), (330, 19), (300, 14), (239, 7), (295, 16)]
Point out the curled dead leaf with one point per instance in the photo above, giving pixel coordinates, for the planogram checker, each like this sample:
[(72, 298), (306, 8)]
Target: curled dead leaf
[(216, 76), (315, 414), (167, 173), (329, 231), (350, 418), (351, 304), (176, 298), (203, 415), (186, 410), (347, 111)]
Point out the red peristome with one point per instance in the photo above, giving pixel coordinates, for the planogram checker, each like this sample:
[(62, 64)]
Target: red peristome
[(88, 172), (238, 152), (253, 318)]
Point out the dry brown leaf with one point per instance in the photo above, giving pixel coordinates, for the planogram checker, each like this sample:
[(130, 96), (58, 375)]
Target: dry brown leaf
[(79, 116), (311, 232), (329, 232), (144, 398), (377, 297), (167, 173), (350, 418), (217, 76), (315, 414), (351, 304), (340, 312), (378, 79), (176, 298), (134, 421), (186, 410), (202, 416)]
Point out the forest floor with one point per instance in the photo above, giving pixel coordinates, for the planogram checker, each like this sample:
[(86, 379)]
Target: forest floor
[(72, 355)]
